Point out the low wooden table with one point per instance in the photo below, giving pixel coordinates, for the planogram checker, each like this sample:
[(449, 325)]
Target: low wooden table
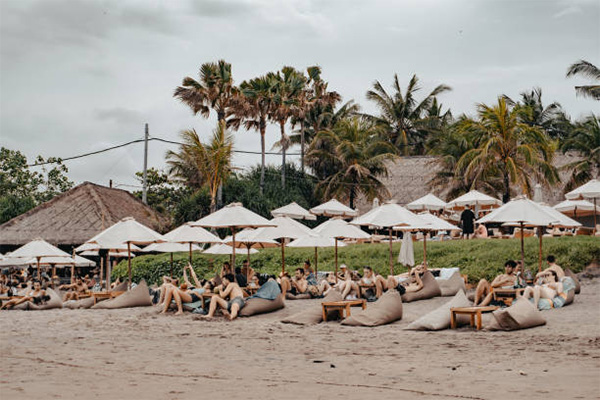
[(472, 312), (342, 306), (105, 295)]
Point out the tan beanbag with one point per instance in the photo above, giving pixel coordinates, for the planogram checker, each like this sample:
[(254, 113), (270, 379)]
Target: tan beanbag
[(570, 273), (314, 313), (54, 302), (257, 306), (521, 315), (440, 317), (452, 285), (387, 309), (302, 296), (121, 287), (77, 304), (430, 289), (136, 297)]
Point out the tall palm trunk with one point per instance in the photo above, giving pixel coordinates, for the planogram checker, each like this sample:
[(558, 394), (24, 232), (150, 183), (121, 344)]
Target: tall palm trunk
[(263, 128), (219, 202), (302, 145), (283, 148), (506, 195), (352, 196)]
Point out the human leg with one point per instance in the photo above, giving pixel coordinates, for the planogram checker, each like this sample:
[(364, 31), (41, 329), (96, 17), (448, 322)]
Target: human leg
[(482, 290)]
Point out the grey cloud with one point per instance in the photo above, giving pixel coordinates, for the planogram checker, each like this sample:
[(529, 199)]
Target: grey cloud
[(221, 8), (119, 115)]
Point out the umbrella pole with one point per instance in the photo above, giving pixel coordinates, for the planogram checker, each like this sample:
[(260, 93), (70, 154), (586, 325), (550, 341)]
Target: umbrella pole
[(53, 274), (522, 246), (171, 272), (248, 259), (391, 254), (540, 257), (129, 264), (233, 252), (72, 271), (101, 268), (283, 255), (336, 261), (595, 212), (107, 271), (316, 262), (190, 255), (39, 272), (425, 248)]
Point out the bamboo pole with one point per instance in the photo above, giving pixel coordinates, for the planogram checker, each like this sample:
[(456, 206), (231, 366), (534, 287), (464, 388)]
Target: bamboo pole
[(282, 255), (540, 255), (522, 245), (336, 260), (129, 264)]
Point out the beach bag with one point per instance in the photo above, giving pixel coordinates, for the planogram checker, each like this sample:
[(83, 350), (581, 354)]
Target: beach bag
[(387, 309), (571, 275), (136, 297), (440, 317), (430, 289), (521, 315), (452, 285), (257, 306), (314, 312)]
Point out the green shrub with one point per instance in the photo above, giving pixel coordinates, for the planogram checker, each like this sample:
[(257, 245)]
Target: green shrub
[(476, 258)]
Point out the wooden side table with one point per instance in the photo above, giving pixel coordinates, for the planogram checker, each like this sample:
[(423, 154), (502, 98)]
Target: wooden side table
[(473, 312), (341, 306)]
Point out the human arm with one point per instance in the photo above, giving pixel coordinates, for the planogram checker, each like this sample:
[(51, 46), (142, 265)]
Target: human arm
[(185, 277), (194, 277)]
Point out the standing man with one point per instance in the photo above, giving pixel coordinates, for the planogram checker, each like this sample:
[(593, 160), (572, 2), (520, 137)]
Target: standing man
[(467, 219)]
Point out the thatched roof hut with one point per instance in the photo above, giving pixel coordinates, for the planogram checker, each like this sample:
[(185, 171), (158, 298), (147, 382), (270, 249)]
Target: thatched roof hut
[(75, 216)]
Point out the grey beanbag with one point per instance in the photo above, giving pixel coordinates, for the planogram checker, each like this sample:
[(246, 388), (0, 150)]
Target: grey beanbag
[(387, 309), (136, 297), (452, 285), (255, 306), (521, 315), (430, 289), (314, 313), (440, 317)]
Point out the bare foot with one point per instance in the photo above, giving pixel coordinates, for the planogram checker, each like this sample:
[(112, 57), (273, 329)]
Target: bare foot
[(226, 313), (179, 313), (163, 312)]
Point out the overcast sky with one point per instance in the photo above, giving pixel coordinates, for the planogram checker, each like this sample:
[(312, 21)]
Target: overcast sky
[(79, 76)]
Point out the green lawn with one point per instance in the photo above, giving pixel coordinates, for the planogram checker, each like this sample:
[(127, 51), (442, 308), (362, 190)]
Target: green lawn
[(476, 258)]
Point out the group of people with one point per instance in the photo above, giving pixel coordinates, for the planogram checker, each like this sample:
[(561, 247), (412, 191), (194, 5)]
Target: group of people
[(546, 285)]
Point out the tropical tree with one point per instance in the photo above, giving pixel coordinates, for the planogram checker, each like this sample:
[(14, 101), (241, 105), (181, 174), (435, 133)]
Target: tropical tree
[(404, 120), (288, 85), (359, 155), (199, 165), (585, 140), (254, 108), (588, 70), (507, 149)]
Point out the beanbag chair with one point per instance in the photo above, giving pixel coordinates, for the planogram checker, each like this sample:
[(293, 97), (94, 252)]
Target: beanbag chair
[(571, 275), (302, 296), (314, 313), (387, 309), (440, 317), (521, 315), (257, 306), (430, 289), (121, 287), (452, 285), (54, 302), (77, 304), (136, 297)]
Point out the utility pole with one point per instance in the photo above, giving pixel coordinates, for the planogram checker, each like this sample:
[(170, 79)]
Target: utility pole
[(145, 184)]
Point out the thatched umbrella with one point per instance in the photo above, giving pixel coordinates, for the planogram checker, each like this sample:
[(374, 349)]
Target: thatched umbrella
[(189, 234), (128, 231), (233, 216)]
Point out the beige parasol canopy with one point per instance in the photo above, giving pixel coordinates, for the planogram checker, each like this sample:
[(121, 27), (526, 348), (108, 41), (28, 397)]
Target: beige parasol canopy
[(37, 249), (589, 191), (428, 202), (293, 210), (473, 198), (577, 208), (334, 208), (189, 234)]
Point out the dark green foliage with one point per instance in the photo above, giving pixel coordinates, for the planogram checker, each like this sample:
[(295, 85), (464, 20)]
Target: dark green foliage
[(476, 258), (163, 194), (192, 206)]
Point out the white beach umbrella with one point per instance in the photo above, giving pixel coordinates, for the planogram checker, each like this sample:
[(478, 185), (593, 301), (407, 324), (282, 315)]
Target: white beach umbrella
[(589, 191), (111, 254), (388, 216), (563, 221), (427, 202), (233, 216), (190, 234), (334, 208), (118, 248), (339, 229), (224, 249), (473, 198), (315, 240), (76, 261), (250, 239), (293, 210), (407, 252), (576, 208), (36, 249), (522, 212), (127, 231)]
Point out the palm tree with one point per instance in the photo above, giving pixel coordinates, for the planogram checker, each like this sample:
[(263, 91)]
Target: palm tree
[(508, 149), (200, 165), (214, 90), (360, 157), (287, 85), (585, 139), (401, 116), (588, 70), (255, 108)]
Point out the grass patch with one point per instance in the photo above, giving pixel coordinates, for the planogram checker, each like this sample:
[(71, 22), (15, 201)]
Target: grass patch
[(476, 258)]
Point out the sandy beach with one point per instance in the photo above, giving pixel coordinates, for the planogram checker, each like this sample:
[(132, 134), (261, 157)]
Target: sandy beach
[(138, 354)]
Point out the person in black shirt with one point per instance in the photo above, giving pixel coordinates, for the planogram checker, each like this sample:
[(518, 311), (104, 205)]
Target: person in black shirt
[(240, 278), (467, 219)]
